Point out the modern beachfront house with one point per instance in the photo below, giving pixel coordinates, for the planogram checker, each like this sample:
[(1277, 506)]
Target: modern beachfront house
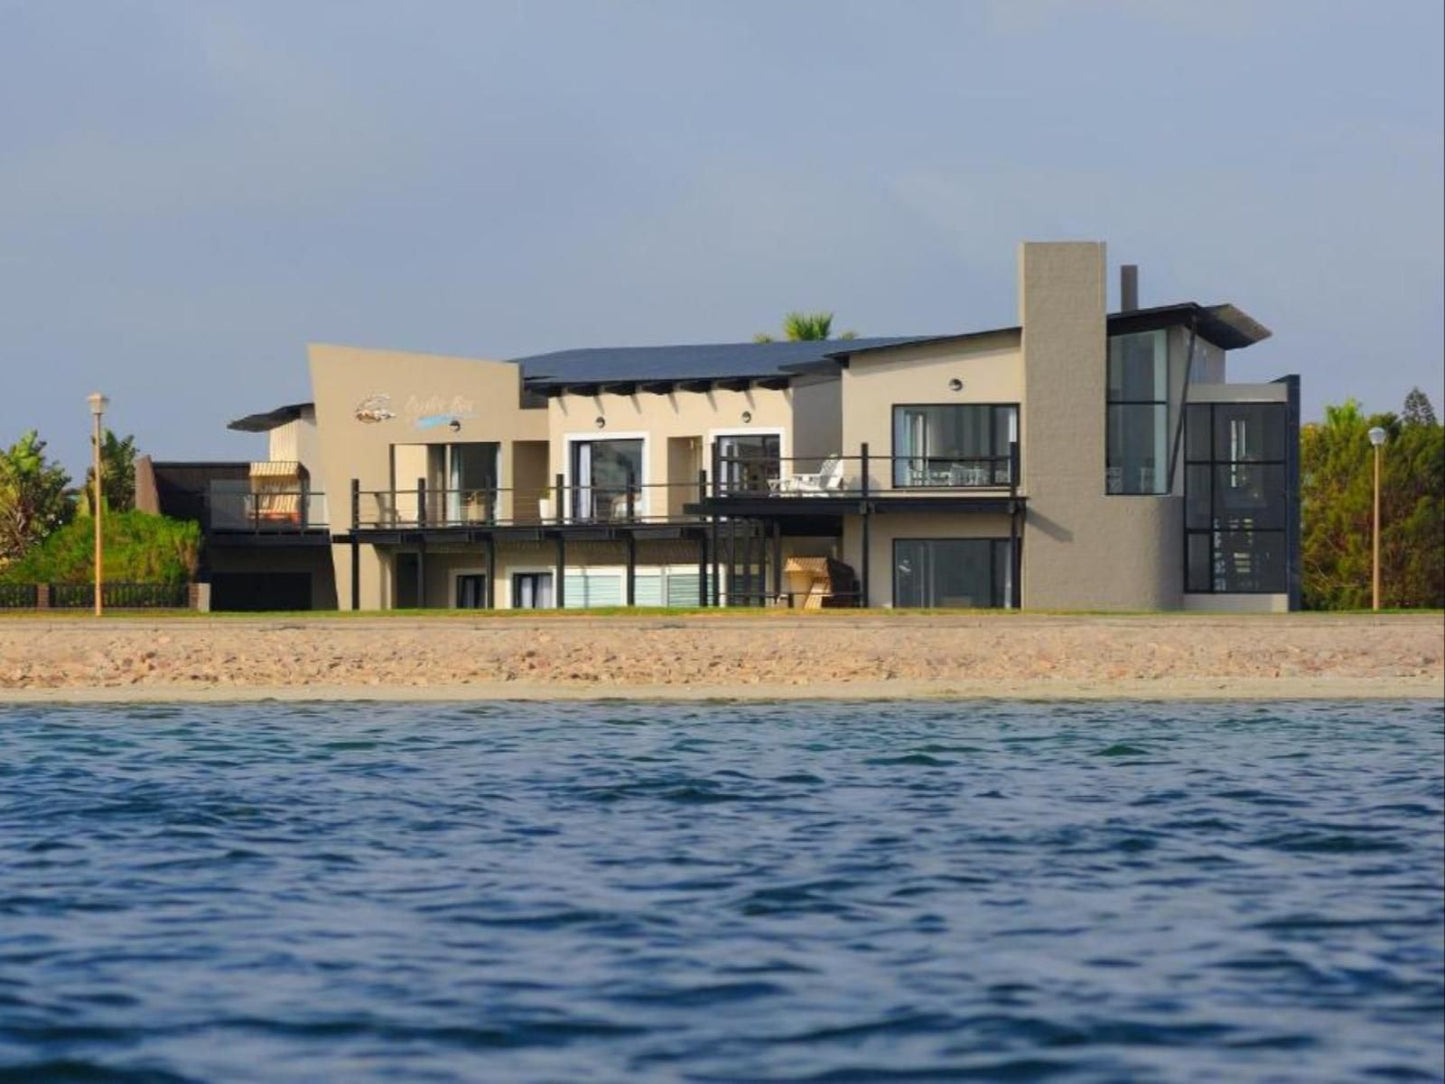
[(1077, 460)]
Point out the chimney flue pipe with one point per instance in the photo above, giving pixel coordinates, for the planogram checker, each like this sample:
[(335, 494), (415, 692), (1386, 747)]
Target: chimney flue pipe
[(1128, 287)]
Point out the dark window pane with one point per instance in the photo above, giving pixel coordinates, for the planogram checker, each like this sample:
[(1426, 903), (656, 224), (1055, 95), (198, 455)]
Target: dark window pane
[(1197, 573), (950, 445), (1138, 451), (1139, 367), (1245, 432), (1197, 433), (947, 573), (1250, 561), (1249, 496), (1198, 504)]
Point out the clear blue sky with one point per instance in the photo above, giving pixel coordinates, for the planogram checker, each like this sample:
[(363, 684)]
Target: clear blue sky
[(191, 191)]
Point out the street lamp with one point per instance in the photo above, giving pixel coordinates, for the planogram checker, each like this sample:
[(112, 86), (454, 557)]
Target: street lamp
[(1377, 438), (98, 403)]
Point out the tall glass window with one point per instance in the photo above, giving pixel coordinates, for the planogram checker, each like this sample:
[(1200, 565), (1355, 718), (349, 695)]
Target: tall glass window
[(954, 444), (747, 462), (1137, 458), (952, 572), (602, 471), (1235, 498)]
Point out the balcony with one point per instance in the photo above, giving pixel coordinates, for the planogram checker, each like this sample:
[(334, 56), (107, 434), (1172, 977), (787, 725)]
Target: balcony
[(558, 505), (243, 507)]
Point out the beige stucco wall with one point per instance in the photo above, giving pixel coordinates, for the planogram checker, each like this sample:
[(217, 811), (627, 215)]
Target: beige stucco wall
[(659, 418), (1083, 550), (484, 396), (990, 367), (817, 418), (298, 441)]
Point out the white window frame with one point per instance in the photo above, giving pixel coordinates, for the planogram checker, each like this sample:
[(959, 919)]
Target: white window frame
[(529, 570), (569, 439), (785, 444)]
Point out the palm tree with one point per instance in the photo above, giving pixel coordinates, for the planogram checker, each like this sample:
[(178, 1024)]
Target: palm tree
[(805, 327)]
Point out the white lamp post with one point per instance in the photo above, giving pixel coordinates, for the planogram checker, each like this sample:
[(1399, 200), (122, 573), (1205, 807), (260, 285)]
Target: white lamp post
[(98, 403), (1377, 438)]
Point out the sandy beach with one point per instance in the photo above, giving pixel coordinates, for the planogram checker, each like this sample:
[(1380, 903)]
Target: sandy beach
[(765, 656)]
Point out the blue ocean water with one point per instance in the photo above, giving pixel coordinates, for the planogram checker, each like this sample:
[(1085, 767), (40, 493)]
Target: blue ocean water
[(790, 892)]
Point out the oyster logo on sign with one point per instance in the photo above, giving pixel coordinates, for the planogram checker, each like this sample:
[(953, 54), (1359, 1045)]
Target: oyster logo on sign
[(373, 409)]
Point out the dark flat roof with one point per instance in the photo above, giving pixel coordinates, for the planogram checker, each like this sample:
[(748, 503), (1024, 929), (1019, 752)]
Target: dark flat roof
[(701, 361), (262, 423), (660, 368)]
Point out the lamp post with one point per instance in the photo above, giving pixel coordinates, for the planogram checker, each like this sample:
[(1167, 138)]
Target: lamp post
[(1377, 438), (98, 403)]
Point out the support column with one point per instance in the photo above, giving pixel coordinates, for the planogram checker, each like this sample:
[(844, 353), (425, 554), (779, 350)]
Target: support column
[(421, 574), (702, 592), (777, 559), (355, 544), (491, 589), (865, 575), (559, 586), (631, 569)]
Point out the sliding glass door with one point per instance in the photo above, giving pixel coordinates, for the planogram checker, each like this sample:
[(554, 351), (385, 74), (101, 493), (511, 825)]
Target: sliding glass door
[(602, 472), (954, 445), (748, 462), (949, 573)]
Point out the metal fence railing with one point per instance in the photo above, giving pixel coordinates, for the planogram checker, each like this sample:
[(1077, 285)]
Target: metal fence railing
[(121, 596), (862, 475), (19, 596)]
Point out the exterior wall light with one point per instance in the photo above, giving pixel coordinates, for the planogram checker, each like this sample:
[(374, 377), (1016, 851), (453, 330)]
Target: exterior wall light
[(747, 416), (601, 422), (955, 384)]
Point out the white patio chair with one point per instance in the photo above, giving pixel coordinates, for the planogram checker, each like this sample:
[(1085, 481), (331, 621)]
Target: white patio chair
[(828, 479)]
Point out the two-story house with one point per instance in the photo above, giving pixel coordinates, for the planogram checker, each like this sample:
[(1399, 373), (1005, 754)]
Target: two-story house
[(1076, 460)]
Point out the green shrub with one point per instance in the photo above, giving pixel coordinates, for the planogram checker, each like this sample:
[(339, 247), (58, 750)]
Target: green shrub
[(139, 548)]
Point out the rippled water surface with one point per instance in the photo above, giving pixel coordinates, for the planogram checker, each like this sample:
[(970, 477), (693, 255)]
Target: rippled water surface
[(820, 892)]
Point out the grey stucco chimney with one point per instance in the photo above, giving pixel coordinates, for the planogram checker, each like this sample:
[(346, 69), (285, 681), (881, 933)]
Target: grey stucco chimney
[(1128, 287)]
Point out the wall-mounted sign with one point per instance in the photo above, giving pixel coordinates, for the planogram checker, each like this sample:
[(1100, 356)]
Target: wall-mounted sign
[(435, 410), (373, 409)]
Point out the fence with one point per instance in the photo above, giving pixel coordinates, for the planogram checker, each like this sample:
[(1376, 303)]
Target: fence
[(19, 596), (81, 596)]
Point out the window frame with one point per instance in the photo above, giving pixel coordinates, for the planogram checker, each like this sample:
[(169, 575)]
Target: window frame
[(1110, 401), (895, 457), (1212, 466), (1011, 568)]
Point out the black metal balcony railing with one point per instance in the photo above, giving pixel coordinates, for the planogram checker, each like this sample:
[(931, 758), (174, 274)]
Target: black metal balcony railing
[(239, 506), (562, 503), (864, 475)]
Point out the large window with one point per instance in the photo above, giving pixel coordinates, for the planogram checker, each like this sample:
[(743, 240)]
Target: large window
[(1236, 500), (952, 572), (531, 590), (603, 471), (747, 462), (954, 444), (1137, 459), (460, 480)]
